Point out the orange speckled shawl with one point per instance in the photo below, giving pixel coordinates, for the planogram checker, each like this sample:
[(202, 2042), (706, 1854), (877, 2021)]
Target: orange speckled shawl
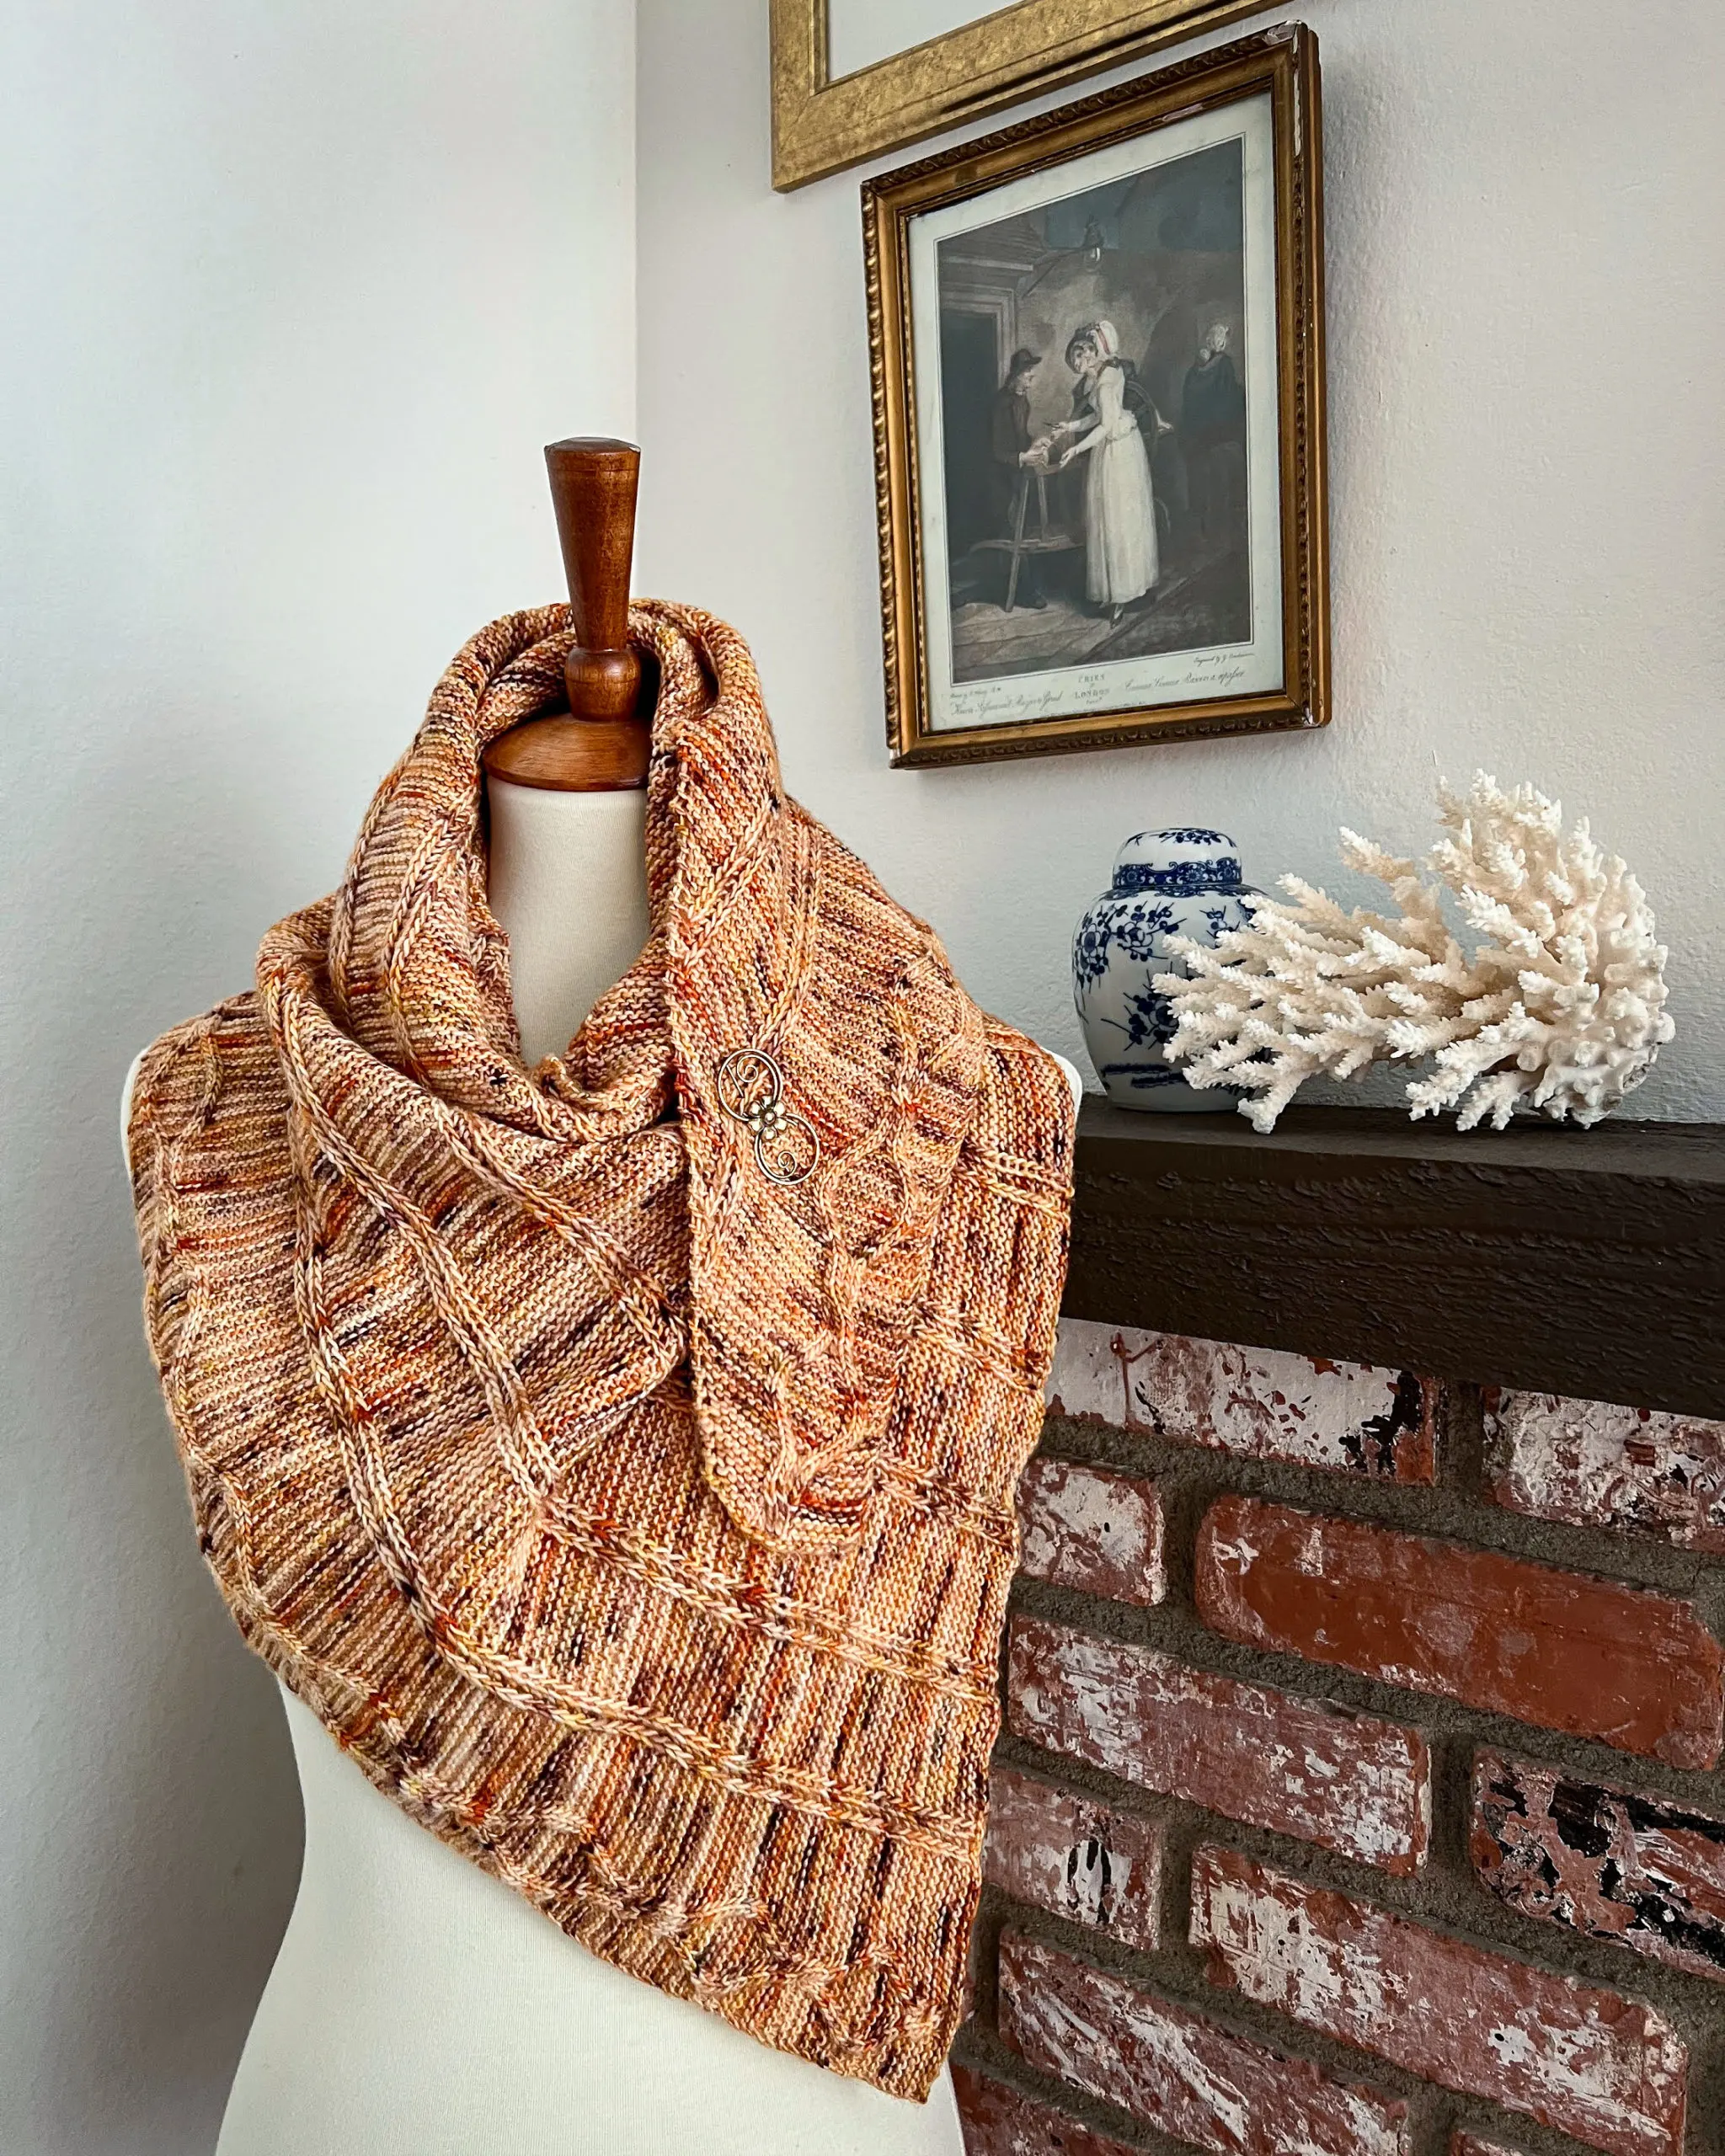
[(640, 1525)]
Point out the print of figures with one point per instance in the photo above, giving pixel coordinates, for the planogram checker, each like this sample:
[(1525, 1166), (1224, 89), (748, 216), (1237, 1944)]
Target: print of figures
[(1097, 510), (1119, 510)]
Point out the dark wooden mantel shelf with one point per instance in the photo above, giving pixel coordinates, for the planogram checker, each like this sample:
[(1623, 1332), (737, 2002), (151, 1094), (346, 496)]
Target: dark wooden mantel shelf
[(1589, 1263)]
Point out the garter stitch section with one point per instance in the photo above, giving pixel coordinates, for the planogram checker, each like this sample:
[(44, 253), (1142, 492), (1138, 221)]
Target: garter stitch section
[(643, 1527)]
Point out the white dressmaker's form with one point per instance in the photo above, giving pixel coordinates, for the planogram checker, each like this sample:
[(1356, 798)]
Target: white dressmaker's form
[(417, 2006)]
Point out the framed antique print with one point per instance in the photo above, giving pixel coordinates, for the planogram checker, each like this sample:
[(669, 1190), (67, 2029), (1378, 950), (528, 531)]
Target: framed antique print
[(853, 77), (1097, 344)]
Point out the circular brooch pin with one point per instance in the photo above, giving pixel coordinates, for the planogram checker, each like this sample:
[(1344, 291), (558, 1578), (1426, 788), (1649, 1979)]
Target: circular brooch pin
[(751, 1092)]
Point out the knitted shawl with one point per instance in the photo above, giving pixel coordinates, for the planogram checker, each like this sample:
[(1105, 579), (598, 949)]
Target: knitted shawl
[(619, 1456)]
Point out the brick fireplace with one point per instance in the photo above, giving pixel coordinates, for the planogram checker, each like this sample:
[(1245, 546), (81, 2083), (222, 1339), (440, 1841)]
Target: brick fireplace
[(1359, 1789)]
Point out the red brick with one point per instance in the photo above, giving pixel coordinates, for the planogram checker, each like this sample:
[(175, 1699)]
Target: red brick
[(1258, 1403), (1606, 2069), (1079, 1858), (1348, 1782), (1176, 2071), (1600, 1465), (1086, 1528), (1640, 1870), (1000, 2122), (1637, 1670)]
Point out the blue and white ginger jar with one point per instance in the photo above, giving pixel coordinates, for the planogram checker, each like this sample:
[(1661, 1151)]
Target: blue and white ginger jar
[(1167, 883)]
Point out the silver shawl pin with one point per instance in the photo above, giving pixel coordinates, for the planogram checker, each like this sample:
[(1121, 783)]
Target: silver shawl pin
[(751, 1092)]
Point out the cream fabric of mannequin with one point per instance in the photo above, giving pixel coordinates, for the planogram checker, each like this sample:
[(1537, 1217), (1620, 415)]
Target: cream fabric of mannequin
[(568, 883), (417, 2006)]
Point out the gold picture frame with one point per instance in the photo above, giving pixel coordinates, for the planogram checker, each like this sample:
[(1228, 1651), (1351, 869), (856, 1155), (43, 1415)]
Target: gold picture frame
[(966, 242), (820, 125)]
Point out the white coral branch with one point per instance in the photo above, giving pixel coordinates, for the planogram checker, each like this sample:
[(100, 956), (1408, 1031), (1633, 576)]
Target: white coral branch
[(1560, 1009)]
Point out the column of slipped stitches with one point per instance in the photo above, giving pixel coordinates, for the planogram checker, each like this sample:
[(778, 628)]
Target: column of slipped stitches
[(339, 935), (452, 1814), (453, 1301), (840, 1277), (845, 1272), (621, 1283), (959, 1329), (171, 1286), (778, 1618), (285, 1647), (919, 1826), (935, 1493), (436, 821)]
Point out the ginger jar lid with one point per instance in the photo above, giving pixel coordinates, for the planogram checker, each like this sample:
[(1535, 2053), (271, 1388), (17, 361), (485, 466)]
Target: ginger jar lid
[(1188, 858)]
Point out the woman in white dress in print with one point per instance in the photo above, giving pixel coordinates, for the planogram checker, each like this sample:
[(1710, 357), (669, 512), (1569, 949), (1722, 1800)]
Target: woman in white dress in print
[(1119, 510)]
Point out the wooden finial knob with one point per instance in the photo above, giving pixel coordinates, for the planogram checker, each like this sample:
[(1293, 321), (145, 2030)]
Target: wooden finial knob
[(602, 745)]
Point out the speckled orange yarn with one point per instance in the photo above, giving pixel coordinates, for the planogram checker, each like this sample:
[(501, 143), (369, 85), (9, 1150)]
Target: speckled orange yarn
[(642, 1527)]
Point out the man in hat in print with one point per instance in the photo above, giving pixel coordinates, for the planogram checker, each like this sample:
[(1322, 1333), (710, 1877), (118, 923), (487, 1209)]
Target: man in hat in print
[(1012, 446), (1213, 434)]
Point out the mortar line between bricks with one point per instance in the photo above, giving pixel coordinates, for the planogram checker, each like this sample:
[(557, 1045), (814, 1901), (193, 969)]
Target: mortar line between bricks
[(1448, 1897), (1448, 1892), (1427, 2101), (1694, 2005), (1461, 1468), (1173, 1628), (983, 2046), (1439, 1512)]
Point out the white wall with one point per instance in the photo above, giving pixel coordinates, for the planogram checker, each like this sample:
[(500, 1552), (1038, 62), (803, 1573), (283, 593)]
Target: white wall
[(1526, 326), (294, 294)]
